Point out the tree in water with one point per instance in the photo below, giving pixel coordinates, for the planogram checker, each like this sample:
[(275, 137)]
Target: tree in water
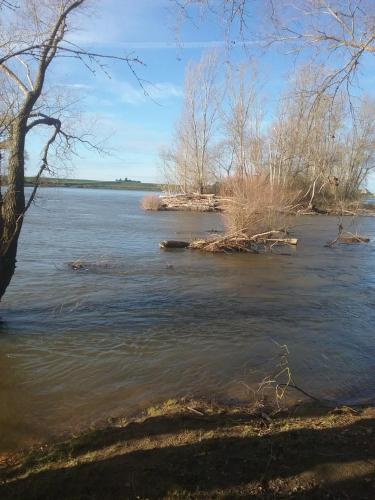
[(32, 35)]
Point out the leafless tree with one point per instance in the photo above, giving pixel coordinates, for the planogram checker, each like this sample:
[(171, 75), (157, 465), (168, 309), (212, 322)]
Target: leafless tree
[(320, 148), (32, 36), (313, 139), (241, 120), (358, 151), (191, 157), (342, 31)]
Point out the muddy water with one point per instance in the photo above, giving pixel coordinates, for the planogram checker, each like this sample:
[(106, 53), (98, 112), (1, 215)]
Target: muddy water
[(144, 324)]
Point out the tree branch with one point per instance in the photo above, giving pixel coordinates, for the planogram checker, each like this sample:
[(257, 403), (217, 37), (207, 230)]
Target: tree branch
[(15, 78)]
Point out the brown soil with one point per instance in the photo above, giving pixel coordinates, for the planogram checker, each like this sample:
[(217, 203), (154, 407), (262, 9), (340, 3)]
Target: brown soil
[(198, 450)]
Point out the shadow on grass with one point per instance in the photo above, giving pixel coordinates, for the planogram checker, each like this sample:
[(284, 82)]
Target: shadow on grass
[(211, 456)]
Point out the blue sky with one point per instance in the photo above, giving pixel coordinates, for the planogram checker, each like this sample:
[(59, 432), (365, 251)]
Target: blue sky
[(136, 126)]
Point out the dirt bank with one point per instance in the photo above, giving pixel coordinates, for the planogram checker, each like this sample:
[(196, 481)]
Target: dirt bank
[(199, 450)]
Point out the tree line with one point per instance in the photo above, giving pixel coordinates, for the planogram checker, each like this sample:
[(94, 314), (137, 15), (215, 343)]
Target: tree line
[(321, 142)]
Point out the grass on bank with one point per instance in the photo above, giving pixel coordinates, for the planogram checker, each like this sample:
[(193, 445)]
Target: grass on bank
[(193, 449), (90, 184)]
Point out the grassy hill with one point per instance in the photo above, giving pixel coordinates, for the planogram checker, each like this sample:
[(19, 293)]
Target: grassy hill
[(87, 183)]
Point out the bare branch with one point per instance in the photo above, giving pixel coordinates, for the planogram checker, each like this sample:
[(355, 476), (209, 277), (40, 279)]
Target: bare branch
[(14, 77)]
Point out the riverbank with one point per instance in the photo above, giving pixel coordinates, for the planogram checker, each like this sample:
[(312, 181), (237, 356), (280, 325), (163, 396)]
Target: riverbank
[(214, 203), (194, 449), (90, 184)]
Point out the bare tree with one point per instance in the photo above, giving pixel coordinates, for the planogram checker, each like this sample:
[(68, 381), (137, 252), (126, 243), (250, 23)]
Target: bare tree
[(321, 148), (33, 36), (358, 151), (341, 30), (241, 120), (304, 138), (191, 157), (322, 140)]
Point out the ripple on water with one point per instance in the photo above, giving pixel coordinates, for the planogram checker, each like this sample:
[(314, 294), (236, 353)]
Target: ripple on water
[(143, 324)]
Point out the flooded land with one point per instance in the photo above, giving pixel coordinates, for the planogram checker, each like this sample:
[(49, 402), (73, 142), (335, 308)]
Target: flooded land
[(139, 324)]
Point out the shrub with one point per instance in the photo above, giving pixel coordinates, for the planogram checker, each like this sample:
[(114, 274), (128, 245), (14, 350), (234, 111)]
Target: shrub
[(255, 205), (151, 202)]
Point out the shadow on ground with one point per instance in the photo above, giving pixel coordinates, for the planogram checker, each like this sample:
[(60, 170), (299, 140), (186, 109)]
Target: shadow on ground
[(220, 455)]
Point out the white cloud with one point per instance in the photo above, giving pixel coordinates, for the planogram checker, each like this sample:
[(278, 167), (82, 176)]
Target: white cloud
[(134, 94), (204, 44), (77, 86)]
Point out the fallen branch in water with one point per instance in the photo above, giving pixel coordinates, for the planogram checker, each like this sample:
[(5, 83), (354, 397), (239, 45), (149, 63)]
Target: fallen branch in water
[(353, 238), (236, 242), (348, 238)]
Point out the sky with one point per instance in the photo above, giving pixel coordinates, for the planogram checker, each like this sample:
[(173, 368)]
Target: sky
[(135, 126)]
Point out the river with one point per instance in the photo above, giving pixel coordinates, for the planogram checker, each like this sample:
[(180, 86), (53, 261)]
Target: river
[(144, 324)]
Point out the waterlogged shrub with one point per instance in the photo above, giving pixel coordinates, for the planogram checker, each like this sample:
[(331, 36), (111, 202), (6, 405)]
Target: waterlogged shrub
[(151, 202), (255, 204)]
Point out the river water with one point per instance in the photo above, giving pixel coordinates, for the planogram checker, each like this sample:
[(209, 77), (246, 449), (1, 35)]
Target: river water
[(143, 324)]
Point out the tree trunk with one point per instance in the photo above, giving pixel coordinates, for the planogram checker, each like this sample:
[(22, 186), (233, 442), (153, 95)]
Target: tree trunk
[(8, 266), (13, 206)]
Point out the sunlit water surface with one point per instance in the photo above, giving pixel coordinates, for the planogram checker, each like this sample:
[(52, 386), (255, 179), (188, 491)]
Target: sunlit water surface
[(144, 324)]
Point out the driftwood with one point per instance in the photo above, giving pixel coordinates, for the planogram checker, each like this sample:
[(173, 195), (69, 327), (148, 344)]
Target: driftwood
[(364, 212), (353, 239), (346, 237), (191, 202), (173, 244), (238, 242)]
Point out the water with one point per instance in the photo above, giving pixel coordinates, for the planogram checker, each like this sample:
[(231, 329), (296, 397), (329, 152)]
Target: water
[(146, 324)]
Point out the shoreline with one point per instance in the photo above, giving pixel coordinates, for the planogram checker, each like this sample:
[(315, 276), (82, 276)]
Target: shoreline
[(199, 449), (113, 186)]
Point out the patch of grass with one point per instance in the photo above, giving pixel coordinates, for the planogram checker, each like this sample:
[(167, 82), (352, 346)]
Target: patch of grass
[(168, 406), (194, 449)]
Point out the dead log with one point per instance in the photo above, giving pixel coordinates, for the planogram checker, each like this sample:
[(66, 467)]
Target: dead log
[(353, 239), (174, 244), (286, 241)]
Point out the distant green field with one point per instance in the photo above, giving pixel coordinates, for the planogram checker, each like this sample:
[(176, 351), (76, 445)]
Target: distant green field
[(87, 183)]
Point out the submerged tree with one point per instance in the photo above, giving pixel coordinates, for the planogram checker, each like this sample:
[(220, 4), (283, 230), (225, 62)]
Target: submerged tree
[(32, 36)]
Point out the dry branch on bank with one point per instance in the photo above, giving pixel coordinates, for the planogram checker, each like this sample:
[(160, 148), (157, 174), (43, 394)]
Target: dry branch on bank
[(192, 202), (341, 212)]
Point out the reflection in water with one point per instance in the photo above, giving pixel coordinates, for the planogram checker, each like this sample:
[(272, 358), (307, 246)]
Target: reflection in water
[(145, 324)]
